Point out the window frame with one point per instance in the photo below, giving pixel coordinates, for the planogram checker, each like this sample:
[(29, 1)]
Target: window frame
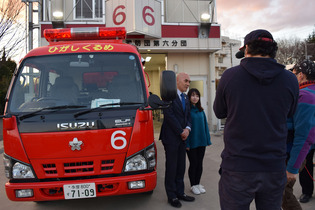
[(94, 3)]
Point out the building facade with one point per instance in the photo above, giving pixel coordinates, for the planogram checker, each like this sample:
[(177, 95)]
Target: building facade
[(178, 35), (224, 59)]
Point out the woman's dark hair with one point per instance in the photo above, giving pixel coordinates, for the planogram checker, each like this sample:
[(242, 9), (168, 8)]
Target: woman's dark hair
[(309, 77), (307, 67), (259, 47), (196, 91)]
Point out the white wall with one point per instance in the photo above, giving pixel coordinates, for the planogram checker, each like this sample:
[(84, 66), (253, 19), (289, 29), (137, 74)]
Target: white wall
[(191, 63)]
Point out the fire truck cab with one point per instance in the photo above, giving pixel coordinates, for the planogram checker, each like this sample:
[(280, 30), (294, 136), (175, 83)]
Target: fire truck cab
[(77, 122)]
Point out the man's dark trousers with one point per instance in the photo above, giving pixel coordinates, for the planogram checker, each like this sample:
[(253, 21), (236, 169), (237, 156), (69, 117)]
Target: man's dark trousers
[(175, 169), (306, 181), (238, 189)]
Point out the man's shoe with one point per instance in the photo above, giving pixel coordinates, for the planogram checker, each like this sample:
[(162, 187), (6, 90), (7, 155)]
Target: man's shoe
[(305, 198), (175, 202), (185, 197)]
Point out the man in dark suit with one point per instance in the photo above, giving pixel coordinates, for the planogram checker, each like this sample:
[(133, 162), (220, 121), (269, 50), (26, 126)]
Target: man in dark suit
[(174, 132)]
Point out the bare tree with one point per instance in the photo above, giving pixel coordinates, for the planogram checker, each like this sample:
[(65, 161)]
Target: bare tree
[(12, 26), (290, 51), (310, 46)]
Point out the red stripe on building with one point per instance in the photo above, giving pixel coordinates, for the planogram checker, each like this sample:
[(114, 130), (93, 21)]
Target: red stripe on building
[(175, 31), (135, 36)]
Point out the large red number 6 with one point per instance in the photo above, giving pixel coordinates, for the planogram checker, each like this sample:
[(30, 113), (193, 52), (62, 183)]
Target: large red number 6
[(145, 14), (119, 14)]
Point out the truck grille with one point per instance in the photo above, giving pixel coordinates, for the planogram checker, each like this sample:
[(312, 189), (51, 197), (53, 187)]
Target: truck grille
[(50, 168), (78, 168), (107, 165)]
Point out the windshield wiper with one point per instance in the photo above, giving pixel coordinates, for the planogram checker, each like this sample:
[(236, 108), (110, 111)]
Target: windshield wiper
[(105, 105), (24, 116)]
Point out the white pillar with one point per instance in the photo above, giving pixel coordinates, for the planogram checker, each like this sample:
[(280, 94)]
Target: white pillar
[(213, 120), (30, 26)]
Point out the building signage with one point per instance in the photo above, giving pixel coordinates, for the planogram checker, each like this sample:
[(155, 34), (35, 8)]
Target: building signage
[(137, 16), (176, 43), (159, 43)]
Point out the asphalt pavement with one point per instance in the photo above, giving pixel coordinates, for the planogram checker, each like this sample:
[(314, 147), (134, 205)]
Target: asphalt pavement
[(158, 200)]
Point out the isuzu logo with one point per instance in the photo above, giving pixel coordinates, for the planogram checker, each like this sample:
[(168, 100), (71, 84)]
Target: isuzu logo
[(75, 144), (75, 125)]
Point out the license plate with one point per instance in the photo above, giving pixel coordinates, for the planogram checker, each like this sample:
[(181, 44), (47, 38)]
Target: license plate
[(77, 191)]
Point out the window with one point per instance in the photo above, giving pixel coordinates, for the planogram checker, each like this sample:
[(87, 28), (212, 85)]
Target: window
[(26, 86), (220, 59), (88, 9), (86, 80), (186, 11)]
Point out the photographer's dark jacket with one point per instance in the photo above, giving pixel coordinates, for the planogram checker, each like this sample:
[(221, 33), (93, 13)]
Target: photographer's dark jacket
[(256, 98)]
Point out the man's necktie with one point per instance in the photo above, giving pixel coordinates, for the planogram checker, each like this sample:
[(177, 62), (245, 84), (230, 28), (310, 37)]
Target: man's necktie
[(183, 100)]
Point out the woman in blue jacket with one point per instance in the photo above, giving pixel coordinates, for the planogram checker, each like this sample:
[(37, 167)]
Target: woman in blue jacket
[(197, 141)]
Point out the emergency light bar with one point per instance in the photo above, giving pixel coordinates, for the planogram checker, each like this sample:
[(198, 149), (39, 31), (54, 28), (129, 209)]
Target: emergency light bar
[(92, 33)]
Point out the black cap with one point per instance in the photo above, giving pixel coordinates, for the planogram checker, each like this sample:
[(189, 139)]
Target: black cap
[(240, 54), (306, 67), (259, 34)]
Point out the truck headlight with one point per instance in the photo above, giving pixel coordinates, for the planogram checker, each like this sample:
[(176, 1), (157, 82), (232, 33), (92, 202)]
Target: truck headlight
[(15, 169), (150, 155), (22, 171), (143, 160), (136, 163)]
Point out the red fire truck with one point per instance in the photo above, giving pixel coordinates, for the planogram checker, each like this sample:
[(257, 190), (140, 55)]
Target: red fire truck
[(77, 122)]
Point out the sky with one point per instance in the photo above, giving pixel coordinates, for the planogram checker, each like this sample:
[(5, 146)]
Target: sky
[(285, 19)]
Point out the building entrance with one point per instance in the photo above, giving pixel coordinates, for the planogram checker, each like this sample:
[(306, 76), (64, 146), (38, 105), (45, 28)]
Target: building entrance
[(154, 65), (200, 82)]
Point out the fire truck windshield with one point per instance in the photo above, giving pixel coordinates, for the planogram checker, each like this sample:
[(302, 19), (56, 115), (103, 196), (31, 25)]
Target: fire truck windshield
[(83, 81)]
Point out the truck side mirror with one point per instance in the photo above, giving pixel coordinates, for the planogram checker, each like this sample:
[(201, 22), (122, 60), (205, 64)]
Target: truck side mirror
[(168, 88), (155, 102), (168, 91)]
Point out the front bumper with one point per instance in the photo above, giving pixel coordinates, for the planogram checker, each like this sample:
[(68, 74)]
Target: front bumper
[(42, 191)]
